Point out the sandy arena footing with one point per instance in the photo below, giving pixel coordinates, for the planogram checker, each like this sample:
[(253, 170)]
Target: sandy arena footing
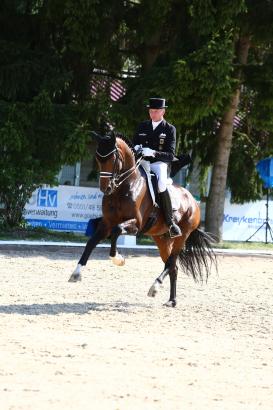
[(102, 343)]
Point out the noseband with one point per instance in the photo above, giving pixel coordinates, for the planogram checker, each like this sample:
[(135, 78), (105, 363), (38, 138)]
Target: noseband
[(116, 178), (113, 176)]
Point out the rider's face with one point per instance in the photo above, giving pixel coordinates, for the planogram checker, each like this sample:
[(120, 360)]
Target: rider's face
[(156, 115)]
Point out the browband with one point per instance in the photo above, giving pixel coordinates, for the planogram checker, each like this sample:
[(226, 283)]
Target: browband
[(109, 153)]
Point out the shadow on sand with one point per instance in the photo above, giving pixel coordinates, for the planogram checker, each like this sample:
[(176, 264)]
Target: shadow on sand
[(76, 308)]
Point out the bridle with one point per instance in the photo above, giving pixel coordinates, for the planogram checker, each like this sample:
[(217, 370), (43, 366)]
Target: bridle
[(116, 178)]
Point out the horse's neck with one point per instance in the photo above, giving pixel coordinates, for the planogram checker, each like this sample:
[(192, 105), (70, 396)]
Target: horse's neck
[(127, 155), (135, 184), (129, 162)]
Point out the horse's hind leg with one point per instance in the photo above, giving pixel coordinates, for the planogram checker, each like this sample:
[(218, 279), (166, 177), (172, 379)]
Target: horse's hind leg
[(169, 251), (101, 233), (173, 279), (171, 270), (164, 246)]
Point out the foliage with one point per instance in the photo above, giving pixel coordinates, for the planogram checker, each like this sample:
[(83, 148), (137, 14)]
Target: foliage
[(45, 72), (201, 84), (243, 179), (197, 72), (35, 140), (182, 50)]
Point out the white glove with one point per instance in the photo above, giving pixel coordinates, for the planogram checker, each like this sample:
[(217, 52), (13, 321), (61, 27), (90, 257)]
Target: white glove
[(136, 147), (148, 152)]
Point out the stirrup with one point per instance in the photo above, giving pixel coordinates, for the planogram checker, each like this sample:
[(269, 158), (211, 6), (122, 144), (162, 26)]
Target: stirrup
[(174, 231)]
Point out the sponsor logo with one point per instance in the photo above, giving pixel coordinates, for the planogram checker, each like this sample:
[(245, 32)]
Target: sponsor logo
[(243, 219), (47, 198)]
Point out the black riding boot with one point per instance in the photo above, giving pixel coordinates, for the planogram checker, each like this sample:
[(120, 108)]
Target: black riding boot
[(166, 207)]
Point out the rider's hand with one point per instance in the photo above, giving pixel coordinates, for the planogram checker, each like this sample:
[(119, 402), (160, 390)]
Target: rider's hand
[(137, 147), (148, 152)]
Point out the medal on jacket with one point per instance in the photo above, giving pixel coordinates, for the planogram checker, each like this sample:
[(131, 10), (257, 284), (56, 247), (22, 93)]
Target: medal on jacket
[(161, 141)]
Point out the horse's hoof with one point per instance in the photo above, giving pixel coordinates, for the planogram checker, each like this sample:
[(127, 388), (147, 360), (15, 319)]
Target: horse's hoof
[(153, 289), (118, 260), (75, 277), (170, 303)]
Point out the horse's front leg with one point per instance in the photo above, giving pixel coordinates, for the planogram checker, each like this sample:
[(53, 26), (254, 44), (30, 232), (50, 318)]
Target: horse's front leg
[(171, 270), (101, 233), (114, 255), (127, 227)]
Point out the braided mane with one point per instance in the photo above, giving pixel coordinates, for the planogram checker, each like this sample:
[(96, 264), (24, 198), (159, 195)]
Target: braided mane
[(126, 140)]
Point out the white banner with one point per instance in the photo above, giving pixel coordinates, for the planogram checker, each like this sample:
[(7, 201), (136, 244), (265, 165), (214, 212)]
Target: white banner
[(69, 208), (63, 208), (242, 221)]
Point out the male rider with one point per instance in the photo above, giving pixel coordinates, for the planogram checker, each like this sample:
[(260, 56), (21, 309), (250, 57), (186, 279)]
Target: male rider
[(158, 140)]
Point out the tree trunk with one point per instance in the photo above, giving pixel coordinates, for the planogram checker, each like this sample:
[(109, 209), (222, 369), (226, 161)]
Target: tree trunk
[(216, 199), (150, 52)]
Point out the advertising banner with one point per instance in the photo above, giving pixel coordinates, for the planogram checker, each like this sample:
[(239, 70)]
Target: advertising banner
[(63, 208), (242, 221), (69, 208)]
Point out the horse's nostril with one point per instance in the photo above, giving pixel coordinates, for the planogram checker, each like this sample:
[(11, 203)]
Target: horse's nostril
[(105, 189), (108, 191)]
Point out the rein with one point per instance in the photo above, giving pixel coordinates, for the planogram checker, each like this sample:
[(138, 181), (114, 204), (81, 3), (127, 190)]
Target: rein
[(116, 179), (128, 170)]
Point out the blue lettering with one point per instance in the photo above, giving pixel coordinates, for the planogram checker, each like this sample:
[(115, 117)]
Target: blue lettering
[(226, 218), (47, 198), (243, 219)]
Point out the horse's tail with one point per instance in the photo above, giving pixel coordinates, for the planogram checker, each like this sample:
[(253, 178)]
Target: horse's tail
[(197, 258)]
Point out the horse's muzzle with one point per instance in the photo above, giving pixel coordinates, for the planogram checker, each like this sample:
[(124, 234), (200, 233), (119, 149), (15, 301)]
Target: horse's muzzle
[(109, 190)]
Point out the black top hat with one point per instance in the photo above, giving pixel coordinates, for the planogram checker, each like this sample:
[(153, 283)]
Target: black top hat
[(157, 103)]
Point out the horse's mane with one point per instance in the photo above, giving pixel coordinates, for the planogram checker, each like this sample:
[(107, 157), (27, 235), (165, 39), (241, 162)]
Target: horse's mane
[(126, 140)]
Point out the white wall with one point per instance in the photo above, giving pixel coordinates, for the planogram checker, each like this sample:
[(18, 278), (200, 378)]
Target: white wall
[(242, 221)]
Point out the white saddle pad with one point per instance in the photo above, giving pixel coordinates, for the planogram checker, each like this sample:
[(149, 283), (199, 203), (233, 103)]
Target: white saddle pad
[(173, 193)]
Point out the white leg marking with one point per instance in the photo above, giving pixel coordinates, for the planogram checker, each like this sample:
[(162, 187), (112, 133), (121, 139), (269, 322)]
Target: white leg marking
[(154, 289), (78, 269), (118, 259), (76, 275)]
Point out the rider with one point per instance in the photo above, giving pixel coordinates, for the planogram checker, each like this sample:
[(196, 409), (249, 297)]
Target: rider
[(158, 140)]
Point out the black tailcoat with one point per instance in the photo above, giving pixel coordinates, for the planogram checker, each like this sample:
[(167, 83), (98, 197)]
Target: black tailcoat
[(162, 139)]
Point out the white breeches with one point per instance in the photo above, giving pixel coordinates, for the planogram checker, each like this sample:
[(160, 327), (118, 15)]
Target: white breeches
[(161, 171)]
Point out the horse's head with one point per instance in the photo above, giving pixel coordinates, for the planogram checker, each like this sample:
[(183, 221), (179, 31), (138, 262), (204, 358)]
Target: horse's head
[(109, 159), (116, 162)]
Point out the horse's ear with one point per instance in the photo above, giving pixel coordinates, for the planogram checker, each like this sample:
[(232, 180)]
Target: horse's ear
[(110, 136), (113, 135), (95, 135)]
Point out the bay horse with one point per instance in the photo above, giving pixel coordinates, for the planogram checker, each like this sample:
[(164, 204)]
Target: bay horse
[(128, 208)]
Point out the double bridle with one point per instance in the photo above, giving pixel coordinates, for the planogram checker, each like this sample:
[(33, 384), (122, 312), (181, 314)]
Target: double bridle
[(115, 177)]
